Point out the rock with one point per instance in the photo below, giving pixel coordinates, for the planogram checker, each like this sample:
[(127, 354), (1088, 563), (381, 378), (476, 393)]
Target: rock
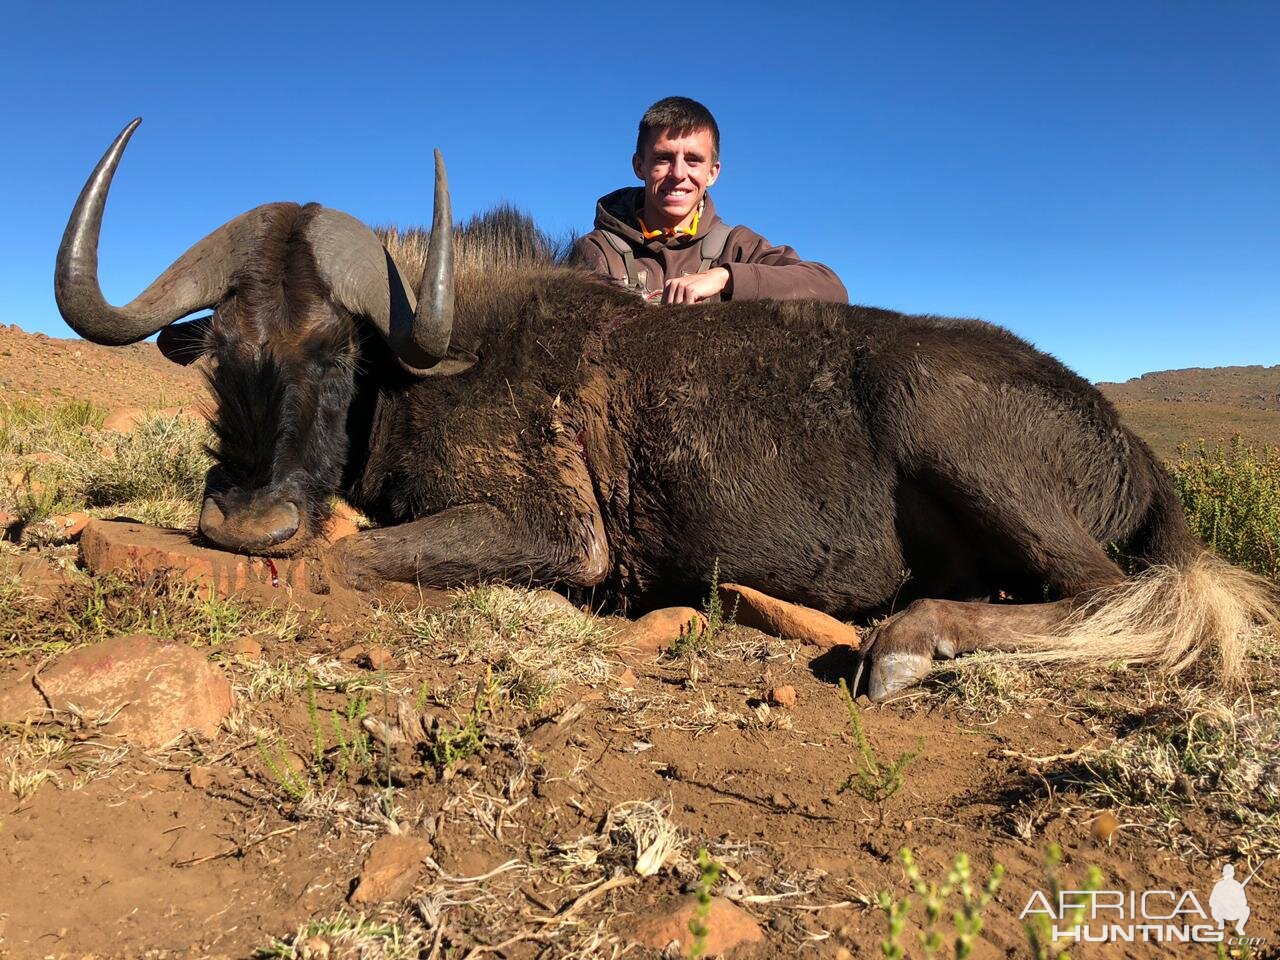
[(246, 648), (659, 629), (627, 679), (70, 525), (124, 419), (375, 657), (548, 601), (156, 690), (728, 926), (787, 620), (315, 948), (783, 696), (352, 653), (391, 868), (338, 528), (212, 778), (128, 547), (1105, 826)]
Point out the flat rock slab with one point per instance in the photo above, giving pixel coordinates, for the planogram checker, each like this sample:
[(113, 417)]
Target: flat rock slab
[(787, 620), (125, 547), (153, 692)]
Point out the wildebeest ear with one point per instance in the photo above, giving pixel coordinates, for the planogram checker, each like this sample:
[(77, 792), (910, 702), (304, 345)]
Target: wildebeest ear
[(184, 342)]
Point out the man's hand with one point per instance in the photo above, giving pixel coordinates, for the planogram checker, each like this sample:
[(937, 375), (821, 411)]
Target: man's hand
[(696, 286)]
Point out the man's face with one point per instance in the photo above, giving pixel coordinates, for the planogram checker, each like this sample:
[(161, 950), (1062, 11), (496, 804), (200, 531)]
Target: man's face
[(676, 172)]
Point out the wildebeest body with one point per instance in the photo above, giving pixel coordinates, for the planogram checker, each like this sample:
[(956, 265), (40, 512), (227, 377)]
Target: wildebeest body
[(517, 420), (810, 448)]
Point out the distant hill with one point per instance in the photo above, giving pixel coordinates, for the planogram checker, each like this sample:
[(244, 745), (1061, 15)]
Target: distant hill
[(1185, 406)]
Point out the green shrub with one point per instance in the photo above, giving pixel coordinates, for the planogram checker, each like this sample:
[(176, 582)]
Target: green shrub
[(1232, 498)]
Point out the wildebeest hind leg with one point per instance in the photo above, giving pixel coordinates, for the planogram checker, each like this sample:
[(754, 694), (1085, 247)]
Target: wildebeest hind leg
[(902, 649), (1041, 539), (475, 543)]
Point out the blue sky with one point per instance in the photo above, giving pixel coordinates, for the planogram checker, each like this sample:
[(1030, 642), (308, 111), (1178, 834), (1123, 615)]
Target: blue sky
[(1102, 178)]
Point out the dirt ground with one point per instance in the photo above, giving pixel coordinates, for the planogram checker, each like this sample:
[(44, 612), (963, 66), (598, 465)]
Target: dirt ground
[(564, 782)]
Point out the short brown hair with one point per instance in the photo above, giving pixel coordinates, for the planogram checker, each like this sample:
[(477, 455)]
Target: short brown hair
[(681, 116)]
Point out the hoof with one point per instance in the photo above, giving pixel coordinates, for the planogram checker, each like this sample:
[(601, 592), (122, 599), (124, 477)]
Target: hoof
[(894, 672)]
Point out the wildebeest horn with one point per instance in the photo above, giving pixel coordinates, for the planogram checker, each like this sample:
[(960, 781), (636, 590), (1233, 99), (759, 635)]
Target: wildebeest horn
[(196, 280), (365, 280), (433, 320)]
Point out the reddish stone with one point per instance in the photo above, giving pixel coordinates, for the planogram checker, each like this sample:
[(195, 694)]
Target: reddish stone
[(246, 648), (728, 927), (152, 691), (195, 414), (783, 696), (660, 629), (71, 525), (787, 620), (352, 653), (391, 868), (124, 419), (137, 548), (376, 657)]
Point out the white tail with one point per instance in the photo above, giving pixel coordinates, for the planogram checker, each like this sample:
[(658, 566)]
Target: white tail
[(1172, 617)]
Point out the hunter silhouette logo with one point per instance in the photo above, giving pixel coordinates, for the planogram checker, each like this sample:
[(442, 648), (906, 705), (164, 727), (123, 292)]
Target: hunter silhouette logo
[(1228, 900)]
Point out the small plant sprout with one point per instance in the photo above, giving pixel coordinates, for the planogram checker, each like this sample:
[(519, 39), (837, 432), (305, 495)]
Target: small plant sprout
[(872, 779), (697, 637), (895, 913), (453, 743), (708, 876), (966, 918), (1039, 928)]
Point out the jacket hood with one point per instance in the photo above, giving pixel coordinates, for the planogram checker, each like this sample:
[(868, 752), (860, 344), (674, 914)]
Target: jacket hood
[(618, 212)]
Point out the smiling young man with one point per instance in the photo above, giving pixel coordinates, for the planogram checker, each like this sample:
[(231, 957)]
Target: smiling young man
[(665, 239)]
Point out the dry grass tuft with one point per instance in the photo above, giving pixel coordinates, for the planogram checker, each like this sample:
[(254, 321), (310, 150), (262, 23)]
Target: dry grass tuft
[(535, 644), (1199, 752), (56, 459), (985, 685)]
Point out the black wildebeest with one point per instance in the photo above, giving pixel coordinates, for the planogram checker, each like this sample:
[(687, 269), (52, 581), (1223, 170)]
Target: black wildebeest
[(546, 428)]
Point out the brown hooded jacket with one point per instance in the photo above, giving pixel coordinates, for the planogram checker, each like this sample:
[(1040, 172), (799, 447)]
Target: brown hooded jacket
[(757, 270)]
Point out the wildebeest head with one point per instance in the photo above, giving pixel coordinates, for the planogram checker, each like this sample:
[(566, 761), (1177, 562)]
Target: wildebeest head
[(286, 284)]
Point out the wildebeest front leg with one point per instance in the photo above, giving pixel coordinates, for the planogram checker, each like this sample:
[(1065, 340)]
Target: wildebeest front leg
[(474, 543)]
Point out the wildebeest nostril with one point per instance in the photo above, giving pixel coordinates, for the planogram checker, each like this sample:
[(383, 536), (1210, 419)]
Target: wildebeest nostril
[(283, 523), (211, 518)]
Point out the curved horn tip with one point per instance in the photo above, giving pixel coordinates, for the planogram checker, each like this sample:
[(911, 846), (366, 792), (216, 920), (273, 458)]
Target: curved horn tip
[(124, 135)]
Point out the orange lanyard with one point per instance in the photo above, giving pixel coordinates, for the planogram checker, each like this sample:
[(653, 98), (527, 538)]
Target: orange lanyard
[(688, 231)]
